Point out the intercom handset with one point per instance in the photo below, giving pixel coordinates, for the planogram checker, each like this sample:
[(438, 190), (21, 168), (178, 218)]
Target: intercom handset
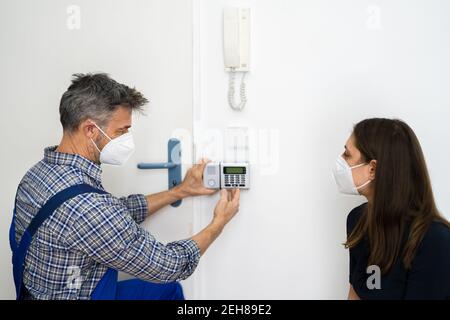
[(226, 175), (236, 44)]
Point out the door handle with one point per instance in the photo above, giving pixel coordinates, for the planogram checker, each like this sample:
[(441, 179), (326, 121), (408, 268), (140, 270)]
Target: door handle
[(173, 165)]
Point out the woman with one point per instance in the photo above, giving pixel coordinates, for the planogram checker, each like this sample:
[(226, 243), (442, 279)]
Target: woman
[(399, 243)]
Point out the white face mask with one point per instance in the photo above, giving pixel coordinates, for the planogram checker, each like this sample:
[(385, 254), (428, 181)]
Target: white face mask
[(344, 179), (118, 150)]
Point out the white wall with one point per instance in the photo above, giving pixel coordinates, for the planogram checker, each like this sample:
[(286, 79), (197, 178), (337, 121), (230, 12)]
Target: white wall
[(317, 68)]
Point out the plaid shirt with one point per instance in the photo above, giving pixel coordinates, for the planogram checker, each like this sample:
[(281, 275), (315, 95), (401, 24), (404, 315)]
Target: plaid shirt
[(90, 233)]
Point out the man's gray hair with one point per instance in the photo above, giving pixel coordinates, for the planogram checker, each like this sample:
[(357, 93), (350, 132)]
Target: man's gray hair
[(96, 96)]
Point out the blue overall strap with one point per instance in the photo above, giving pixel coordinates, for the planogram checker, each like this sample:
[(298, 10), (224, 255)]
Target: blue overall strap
[(20, 251)]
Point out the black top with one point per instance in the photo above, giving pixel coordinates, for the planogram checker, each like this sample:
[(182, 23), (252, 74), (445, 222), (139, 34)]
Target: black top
[(428, 278)]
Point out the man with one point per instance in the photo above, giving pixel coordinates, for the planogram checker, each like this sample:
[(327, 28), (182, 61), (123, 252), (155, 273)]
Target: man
[(70, 237)]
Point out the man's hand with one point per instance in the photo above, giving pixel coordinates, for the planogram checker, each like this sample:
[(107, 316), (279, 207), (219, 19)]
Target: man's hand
[(192, 184), (226, 209), (227, 206)]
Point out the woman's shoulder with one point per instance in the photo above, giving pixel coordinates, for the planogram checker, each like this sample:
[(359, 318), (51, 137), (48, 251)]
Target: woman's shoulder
[(353, 217), (437, 235), (433, 252)]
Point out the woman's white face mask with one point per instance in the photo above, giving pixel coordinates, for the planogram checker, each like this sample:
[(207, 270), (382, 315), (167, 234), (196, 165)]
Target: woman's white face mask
[(343, 176), (118, 150)]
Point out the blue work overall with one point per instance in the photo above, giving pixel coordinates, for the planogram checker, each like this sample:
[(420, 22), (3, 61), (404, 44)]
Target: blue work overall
[(108, 288)]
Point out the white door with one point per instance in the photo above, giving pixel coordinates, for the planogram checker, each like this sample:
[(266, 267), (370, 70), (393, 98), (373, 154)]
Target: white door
[(146, 44)]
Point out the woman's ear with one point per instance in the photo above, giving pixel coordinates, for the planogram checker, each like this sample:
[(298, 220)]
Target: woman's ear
[(372, 169)]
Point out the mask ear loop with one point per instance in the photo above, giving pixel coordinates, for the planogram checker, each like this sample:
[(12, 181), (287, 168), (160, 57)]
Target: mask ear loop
[(368, 181), (363, 185), (359, 165), (95, 146), (103, 132)]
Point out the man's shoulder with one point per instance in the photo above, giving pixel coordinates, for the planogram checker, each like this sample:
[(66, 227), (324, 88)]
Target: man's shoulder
[(34, 182), (50, 178), (42, 181)]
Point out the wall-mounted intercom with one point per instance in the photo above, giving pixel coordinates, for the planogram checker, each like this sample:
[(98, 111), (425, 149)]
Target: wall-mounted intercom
[(224, 175), (236, 43)]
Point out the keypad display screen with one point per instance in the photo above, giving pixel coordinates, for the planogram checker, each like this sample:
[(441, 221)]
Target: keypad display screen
[(234, 170)]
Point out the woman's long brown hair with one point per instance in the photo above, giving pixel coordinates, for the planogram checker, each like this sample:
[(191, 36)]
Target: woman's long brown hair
[(403, 195)]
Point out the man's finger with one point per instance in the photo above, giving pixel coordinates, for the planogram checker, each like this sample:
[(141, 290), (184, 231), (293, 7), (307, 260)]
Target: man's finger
[(236, 195), (208, 191), (223, 195), (212, 191), (202, 164), (203, 161)]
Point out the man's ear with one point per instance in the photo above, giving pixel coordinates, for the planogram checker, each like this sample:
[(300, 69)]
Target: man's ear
[(372, 169), (88, 129)]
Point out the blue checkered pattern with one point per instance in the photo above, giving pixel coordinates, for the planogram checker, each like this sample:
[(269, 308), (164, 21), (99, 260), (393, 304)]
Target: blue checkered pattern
[(74, 247)]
